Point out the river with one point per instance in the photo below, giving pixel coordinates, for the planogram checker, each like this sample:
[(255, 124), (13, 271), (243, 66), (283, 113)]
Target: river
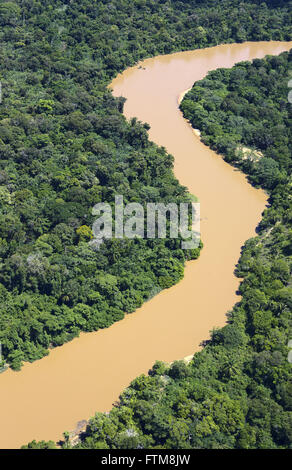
[(86, 375)]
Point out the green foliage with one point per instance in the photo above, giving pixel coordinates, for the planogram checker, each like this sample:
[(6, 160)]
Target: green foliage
[(40, 445), (65, 146)]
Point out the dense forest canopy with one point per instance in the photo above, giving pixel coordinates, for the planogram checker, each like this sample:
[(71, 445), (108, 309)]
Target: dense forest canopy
[(236, 392), (64, 146)]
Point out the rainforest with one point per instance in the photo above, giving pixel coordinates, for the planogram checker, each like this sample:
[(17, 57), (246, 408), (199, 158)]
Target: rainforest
[(65, 145)]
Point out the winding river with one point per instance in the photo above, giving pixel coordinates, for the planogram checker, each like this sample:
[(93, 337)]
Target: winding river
[(86, 375)]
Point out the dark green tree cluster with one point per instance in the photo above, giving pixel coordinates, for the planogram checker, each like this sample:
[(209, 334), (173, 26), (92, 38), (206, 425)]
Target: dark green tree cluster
[(64, 146), (237, 391)]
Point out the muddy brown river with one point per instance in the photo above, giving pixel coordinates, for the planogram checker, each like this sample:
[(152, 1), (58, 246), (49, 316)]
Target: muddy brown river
[(86, 375)]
